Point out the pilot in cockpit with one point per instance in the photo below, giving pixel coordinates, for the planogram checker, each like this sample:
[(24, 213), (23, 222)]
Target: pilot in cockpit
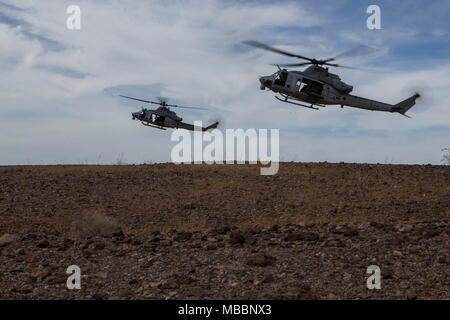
[(281, 77)]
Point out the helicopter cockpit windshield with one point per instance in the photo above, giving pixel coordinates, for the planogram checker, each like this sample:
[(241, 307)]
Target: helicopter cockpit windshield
[(281, 77)]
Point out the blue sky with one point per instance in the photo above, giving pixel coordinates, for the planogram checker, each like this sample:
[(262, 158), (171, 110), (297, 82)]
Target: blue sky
[(58, 90)]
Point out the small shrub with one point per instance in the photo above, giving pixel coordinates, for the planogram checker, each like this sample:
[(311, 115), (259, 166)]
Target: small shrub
[(121, 160), (96, 223), (446, 156)]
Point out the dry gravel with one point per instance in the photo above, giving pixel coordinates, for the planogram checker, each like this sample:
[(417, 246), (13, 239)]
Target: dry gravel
[(198, 232)]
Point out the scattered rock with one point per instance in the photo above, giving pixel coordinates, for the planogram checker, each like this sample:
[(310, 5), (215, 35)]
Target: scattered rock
[(168, 284), (40, 273), (155, 239), (118, 233), (43, 243), (331, 296), (136, 242), (7, 239), (183, 236), (237, 237), (184, 279), (156, 284), (98, 296), (387, 275), (196, 292), (124, 293), (295, 236), (268, 279), (99, 246), (362, 295), (57, 279), (31, 258), (223, 230), (311, 236), (350, 232), (87, 253), (397, 253), (405, 228), (431, 234), (261, 260), (165, 243), (102, 275), (304, 293)]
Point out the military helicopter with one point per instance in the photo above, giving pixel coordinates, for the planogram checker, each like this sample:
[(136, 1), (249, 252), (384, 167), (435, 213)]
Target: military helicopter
[(317, 87), (163, 117)]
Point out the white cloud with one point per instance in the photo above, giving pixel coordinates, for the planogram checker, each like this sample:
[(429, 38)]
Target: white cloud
[(191, 48)]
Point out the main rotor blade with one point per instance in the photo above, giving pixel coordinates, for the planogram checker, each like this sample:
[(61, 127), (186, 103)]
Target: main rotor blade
[(141, 100), (355, 52), (269, 48), (177, 106), (352, 68), (293, 64)]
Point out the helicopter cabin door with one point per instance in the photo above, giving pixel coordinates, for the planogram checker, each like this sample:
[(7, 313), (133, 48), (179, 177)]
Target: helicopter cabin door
[(299, 85), (310, 87)]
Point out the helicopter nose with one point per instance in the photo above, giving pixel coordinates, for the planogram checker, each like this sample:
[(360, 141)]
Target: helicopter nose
[(265, 82), (135, 115)]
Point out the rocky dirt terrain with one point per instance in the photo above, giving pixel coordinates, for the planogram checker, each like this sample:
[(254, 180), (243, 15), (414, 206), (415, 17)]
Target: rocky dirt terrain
[(225, 232)]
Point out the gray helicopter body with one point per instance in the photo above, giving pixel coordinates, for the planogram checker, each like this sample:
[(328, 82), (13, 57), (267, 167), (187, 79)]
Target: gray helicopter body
[(163, 117), (318, 87)]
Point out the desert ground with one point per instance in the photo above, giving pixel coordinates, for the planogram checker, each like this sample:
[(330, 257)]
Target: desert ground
[(166, 231)]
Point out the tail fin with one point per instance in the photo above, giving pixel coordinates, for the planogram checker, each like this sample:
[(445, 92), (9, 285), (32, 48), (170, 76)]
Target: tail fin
[(405, 105), (213, 126)]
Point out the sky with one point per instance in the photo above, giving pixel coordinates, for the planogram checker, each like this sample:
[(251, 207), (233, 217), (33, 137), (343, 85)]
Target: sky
[(59, 88)]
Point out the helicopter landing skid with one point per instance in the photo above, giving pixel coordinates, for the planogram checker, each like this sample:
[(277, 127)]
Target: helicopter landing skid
[(153, 126), (297, 104)]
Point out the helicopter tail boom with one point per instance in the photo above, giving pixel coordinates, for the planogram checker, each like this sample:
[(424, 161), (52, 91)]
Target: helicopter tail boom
[(405, 105), (363, 103), (187, 126), (212, 126)]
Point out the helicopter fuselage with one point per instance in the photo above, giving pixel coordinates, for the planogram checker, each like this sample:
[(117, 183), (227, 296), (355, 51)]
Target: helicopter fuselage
[(162, 118), (316, 86)]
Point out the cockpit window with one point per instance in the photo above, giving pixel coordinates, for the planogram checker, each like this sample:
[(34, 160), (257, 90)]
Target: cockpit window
[(281, 77)]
